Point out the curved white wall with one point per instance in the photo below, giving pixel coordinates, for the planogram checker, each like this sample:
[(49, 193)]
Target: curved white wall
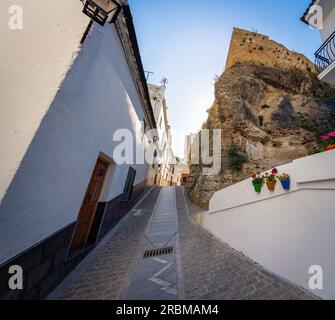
[(33, 62), (285, 232), (56, 142)]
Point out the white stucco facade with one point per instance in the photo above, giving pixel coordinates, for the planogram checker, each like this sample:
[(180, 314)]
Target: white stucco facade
[(328, 19), (327, 29), (286, 232), (60, 107), (33, 62), (169, 173)]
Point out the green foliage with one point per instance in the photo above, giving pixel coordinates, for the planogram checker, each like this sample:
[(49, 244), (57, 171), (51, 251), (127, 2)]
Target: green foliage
[(236, 158), (315, 151), (258, 180), (311, 73), (306, 126), (270, 178)]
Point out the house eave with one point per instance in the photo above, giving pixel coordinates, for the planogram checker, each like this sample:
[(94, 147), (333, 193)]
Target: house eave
[(305, 15), (127, 34)]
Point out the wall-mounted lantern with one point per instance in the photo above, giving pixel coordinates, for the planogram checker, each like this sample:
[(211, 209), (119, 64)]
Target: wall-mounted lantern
[(101, 10)]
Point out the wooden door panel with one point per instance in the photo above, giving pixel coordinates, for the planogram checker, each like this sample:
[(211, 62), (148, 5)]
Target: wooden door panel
[(89, 205)]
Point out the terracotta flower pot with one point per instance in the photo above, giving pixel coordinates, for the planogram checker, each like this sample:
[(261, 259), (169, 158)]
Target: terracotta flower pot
[(331, 147), (271, 185), (258, 187)]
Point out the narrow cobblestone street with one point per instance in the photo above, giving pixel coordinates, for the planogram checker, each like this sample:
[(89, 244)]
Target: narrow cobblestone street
[(200, 267)]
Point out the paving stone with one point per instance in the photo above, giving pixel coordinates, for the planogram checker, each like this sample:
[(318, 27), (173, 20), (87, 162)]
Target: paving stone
[(210, 270), (103, 274), (155, 278), (219, 271)]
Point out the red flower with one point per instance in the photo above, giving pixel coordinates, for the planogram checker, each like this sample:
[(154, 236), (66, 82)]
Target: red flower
[(325, 138), (254, 176), (274, 171)]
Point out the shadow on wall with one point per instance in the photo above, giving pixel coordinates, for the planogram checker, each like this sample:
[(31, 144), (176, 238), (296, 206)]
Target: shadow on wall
[(44, 197)]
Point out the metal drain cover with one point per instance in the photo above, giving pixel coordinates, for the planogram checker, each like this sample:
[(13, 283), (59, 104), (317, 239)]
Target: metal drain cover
[(157, 252)]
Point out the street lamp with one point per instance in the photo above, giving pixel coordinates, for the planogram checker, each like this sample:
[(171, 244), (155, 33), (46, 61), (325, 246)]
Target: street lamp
[(100, 10)]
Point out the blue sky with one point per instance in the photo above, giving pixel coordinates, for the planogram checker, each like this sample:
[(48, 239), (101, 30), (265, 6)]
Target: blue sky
[(187, 42)]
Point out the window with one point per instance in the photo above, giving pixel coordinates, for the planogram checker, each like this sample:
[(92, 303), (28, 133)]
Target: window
[(129, 186)]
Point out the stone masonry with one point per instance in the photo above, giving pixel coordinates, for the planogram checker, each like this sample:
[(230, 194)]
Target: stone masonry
[(252, 47)]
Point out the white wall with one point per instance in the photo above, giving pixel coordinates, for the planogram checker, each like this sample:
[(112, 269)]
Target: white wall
[(158, 92), (328, 75), (33, 62), (329, 23), (328, 28), (285, 232), (97, 96), (165, 153)]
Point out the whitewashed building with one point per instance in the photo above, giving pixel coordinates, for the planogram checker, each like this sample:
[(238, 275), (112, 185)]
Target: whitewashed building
[(321, 15), (66, 86), (167, 165)]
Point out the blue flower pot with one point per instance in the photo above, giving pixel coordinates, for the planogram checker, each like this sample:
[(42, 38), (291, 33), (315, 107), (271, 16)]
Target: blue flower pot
[(286, 184)]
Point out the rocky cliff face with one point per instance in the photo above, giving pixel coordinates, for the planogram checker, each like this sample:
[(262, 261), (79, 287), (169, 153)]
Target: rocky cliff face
[(255, 48), (272, 114)]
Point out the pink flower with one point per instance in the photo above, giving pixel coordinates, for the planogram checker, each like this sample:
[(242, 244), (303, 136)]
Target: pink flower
[(332, 134), (325, 138)]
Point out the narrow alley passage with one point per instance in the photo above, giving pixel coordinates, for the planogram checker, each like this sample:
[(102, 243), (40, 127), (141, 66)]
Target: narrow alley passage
[(156, 277), (199, 266)]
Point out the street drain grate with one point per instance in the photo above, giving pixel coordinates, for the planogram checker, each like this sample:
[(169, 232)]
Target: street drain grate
[(157, 252)]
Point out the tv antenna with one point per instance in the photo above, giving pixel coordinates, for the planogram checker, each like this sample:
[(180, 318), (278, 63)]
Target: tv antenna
[(164, 81), (148, 74)]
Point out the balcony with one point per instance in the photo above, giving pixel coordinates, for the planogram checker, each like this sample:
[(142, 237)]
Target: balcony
[(325, 55)]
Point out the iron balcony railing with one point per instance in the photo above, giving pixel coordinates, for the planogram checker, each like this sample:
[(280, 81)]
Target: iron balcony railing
[(326, 54)]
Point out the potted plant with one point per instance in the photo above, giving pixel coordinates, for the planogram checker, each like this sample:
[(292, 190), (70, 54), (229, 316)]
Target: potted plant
[(271, 180), (285, 181), (328, 141), (257, 182)]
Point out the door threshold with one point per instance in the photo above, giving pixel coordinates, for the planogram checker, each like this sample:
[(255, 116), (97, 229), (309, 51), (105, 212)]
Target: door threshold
[(77, 253)]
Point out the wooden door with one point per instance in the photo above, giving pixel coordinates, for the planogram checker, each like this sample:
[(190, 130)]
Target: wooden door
[(89, 206)]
